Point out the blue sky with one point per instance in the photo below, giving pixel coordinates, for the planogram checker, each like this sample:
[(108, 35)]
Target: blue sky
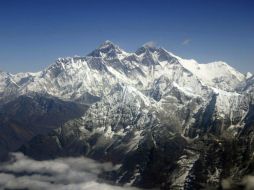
[(34, 33)]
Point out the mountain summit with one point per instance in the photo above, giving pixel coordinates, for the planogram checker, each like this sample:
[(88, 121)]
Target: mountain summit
[(107, 50)]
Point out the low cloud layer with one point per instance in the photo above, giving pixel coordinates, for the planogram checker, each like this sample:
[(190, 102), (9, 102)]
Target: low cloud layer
[(59, 174), (247, 183)]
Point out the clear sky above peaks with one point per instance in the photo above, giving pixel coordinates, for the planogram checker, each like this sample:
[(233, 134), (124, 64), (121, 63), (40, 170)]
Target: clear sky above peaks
[(34, 33)]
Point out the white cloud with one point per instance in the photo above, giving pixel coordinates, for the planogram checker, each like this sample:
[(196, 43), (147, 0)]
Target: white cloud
[(150, 44), (186, 42), (59, 174), (248, 182)]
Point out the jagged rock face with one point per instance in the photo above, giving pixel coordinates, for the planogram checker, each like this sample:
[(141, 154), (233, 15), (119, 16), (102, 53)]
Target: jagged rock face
[(152, 153), (160, 116), (155, 158), (250, 87), (8, 87), (28, 116)]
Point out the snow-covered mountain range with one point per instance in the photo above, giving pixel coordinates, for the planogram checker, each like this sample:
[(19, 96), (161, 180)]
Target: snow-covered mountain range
[(140, 102), (156, 76), (72, 77)]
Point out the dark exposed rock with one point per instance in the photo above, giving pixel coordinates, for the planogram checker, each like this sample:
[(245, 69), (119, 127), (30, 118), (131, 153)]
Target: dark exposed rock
[(28, 116)]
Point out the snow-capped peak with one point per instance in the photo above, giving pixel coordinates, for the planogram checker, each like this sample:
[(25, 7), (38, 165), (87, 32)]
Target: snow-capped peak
[(107, 44), (248, 75), (147, 48), (217, 74), (108, 50)]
